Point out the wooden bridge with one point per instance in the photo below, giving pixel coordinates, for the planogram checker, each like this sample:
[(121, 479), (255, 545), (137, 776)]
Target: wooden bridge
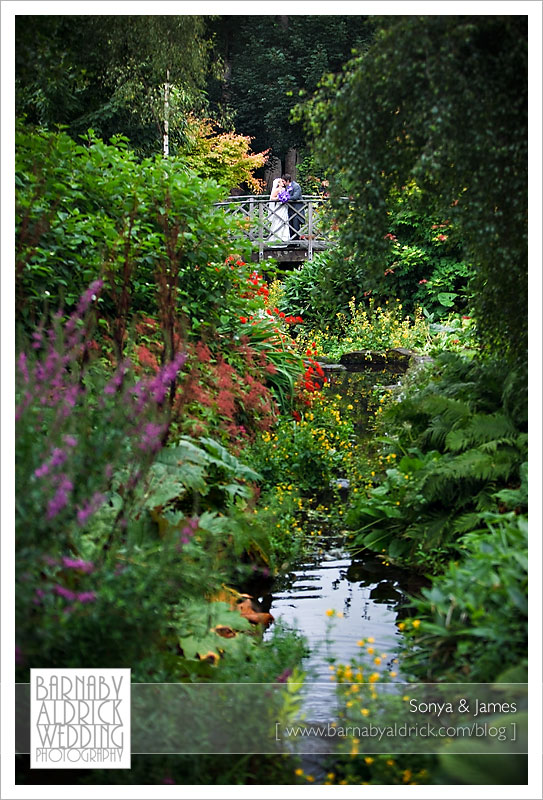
[(261, 222)]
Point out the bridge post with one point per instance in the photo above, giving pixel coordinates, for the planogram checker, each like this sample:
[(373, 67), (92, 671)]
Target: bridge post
[(260, 231), (310, 230)]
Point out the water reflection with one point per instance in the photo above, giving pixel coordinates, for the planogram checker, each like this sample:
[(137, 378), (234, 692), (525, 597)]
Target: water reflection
[(367, 596)]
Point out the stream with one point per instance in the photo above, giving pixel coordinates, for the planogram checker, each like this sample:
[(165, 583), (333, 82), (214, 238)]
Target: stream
[(365, 594)]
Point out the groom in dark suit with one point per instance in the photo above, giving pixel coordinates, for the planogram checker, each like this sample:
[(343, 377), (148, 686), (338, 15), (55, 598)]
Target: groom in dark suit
[(296, 206)]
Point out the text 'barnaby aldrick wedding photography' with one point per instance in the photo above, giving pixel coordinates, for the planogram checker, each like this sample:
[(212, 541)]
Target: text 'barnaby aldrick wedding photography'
[(80, 718)]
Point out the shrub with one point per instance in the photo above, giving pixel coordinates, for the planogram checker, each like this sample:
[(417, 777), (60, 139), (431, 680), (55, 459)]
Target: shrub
[(371, 327), (473, 619), (148, 228), (452, 449)]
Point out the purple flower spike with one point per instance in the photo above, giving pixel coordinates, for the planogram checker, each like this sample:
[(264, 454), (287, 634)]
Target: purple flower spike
[(86, 597), (87, 297), (78, 563), (152, 437), (58, 458), (60, 498), (62, 591), (23, 367), (41, 471), (89, 508)]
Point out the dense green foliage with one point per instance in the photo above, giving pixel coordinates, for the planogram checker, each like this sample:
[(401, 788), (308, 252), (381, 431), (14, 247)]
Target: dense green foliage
[(441, 100), (149, 228), (455, 445), (108, 73), (473, 619), (270, 61)]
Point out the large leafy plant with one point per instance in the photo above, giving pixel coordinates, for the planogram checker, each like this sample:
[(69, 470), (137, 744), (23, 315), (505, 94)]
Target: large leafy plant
[(148, 228), (473, 619), (452, 448)]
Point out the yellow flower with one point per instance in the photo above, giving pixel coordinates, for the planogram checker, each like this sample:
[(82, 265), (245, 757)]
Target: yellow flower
[(330, 612), (369, 760), (390, 762), (298, 771), (373, 677), (364, 711), (371, 640), (401, 626), (377, 660), (361, 643), (371, 650), (309, 778), (405, 697), (331, 776), (416, 623), (393, 674)]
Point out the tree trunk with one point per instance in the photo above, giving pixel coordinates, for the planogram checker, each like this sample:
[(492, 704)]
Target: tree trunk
[(272, 172), (166, 139), (291, 159)]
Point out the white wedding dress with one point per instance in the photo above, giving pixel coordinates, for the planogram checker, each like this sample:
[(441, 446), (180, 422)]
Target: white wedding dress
[(278, 217)]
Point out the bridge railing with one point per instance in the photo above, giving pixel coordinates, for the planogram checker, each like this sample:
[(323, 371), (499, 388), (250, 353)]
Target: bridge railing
[(264, 226)]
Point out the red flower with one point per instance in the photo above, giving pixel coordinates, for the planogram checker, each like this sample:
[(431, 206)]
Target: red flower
[(146, 358), (243, 319), (282, 314), (423, 281), (297, 416), (466, 317), (268, 311)]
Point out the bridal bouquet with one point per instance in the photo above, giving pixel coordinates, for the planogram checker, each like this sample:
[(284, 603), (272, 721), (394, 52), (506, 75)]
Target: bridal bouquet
[(284, 195)]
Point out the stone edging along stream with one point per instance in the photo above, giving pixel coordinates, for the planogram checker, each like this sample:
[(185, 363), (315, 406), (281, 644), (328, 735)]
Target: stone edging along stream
[(358, 359)]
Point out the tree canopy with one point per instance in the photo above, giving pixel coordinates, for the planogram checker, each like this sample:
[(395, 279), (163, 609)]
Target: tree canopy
[(441, 100), (269, 61), (108, 72)]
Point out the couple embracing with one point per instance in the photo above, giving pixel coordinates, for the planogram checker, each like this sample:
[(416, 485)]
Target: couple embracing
[(286, 209)]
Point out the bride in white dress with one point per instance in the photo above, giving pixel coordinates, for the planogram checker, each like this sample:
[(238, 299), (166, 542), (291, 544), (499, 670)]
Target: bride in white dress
[(278, 214)]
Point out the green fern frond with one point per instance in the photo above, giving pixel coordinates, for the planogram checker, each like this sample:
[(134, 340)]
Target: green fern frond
[(465, 523), (470, 468), (481, 429), (432, 530)]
